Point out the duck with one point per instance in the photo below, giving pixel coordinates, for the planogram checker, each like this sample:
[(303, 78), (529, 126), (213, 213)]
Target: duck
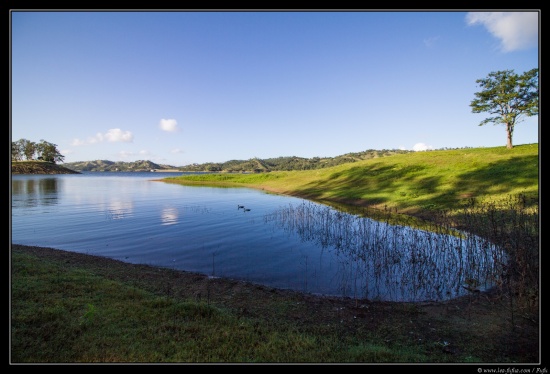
[(246, 209), (240, 206)]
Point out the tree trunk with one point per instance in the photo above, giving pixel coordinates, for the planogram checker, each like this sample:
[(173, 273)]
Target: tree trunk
[(509, 130)]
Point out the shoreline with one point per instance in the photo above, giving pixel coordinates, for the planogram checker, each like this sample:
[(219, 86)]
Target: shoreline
[(86, 259), (429, 322)]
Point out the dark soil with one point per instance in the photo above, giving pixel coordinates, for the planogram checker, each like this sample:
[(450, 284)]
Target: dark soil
[(39, 167)]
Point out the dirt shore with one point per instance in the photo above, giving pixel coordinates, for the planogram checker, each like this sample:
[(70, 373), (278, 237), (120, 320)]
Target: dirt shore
[(482, 320)]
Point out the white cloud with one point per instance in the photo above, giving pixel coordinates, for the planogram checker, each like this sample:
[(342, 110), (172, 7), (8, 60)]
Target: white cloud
[(421, 147), (97, 139), (112, 135), (170, 125), (515, 30), (117, 135)]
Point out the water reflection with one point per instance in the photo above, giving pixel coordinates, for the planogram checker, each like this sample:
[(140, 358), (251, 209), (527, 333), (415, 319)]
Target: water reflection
[(118, 209), (379, 261), (169, 216), (31, 193)]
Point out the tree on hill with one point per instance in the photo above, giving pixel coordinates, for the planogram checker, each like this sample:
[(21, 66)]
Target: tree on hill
[(23, 148), (49, 152), (509, 97), (29, 150)]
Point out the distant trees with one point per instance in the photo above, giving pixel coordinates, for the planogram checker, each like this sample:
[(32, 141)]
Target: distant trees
[(24, 149), (290, 162), (509, 97)]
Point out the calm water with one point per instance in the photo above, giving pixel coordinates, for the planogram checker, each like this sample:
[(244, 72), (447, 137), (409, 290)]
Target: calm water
[(283, 242)]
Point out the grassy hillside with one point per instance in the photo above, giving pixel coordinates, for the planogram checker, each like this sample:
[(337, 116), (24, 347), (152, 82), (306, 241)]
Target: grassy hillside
[(409, 183)]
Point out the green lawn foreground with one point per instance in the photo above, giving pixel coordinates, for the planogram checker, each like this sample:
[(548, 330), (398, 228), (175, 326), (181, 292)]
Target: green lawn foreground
[(68, 313)]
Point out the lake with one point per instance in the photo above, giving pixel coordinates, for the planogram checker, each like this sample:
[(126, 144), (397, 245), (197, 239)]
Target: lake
[(278, 241)]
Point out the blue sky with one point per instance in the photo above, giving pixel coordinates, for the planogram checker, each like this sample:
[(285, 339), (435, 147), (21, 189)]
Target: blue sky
[(185, 87)]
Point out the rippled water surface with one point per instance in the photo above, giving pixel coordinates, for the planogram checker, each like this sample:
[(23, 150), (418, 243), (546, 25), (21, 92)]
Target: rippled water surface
[(280, 241)]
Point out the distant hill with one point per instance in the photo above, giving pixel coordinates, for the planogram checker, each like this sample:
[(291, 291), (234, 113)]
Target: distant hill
[(39, 167), (254, 165), (104, 165), (289, 163)]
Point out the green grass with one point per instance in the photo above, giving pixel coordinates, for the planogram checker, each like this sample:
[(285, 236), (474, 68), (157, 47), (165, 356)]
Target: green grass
[(75, 308), (408, 183), (64, 314)]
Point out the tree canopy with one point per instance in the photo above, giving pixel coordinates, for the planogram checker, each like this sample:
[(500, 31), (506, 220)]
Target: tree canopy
[(28, 150), (508, 97)]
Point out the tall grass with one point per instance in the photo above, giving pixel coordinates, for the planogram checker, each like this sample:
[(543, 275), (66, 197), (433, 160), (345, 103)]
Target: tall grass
[(383, 260), (513, 225)]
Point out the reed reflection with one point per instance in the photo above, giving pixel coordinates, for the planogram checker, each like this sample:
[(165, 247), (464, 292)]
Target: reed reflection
[(379, 261)]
